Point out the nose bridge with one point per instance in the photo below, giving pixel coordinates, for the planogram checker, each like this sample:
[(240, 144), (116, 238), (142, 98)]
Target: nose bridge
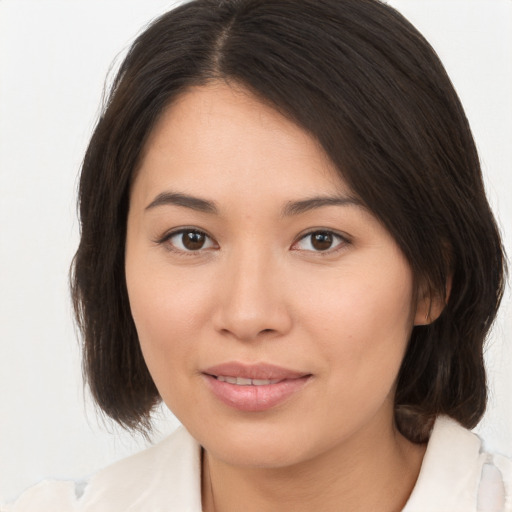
[(253, 296)]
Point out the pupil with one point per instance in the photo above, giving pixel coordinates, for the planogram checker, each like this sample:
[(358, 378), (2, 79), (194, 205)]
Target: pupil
[(193, 240), (321, 241)]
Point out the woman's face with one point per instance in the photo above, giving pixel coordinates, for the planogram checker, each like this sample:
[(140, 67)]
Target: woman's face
[(273, 309)]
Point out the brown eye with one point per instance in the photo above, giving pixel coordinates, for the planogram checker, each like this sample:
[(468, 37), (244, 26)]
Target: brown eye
[(188, 240), (193, 240), (321, 241)]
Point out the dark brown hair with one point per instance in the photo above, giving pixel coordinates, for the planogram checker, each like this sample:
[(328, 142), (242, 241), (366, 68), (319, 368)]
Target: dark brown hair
[(361, 80)]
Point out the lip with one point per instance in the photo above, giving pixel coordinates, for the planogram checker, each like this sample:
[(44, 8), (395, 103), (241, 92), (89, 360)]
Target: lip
[(252, 398), (254, 371)]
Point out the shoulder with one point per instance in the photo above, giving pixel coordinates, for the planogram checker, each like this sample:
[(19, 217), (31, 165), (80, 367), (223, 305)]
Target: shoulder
[(166, 473), (47, 495), (496, 481), (458, 475)]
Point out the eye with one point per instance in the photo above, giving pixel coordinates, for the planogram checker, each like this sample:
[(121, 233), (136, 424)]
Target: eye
[(188, 240), (320, 241)]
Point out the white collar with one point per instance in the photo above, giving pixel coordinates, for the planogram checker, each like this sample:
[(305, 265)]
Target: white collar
[(167, 476), (451, 470)]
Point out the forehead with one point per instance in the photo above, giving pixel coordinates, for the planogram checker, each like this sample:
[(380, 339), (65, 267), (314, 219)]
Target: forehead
[(220, 135)]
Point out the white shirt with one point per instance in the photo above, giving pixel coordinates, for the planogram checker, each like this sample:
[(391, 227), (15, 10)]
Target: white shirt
[(456, 476)]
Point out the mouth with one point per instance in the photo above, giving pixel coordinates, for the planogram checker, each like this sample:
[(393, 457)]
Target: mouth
[(254, 388), (241, 381), (243, 373)]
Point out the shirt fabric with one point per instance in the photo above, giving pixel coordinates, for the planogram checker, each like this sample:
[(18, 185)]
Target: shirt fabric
[(456, 476)]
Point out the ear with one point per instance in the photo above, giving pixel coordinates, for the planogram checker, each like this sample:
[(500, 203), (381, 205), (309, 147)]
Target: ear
[(430, 305)]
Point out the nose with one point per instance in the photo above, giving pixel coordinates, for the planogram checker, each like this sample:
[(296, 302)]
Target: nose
[(252, 299)]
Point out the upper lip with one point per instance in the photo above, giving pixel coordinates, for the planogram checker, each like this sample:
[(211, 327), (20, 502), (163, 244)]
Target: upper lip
[(261, 371)]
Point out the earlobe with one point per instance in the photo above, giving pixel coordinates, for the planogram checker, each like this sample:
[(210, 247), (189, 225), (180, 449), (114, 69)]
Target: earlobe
[(431, 304), (428, 310)]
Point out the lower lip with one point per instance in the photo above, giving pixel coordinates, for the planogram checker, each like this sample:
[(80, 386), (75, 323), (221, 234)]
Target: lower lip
[(255, 398)]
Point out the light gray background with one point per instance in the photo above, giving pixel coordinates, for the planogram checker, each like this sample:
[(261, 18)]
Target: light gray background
[(54, 57)]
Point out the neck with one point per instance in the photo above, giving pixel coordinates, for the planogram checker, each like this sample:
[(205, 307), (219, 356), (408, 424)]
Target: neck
[(375, 471)]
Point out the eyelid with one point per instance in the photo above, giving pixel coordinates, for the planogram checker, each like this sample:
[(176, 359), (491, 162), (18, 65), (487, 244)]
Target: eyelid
[(165, 240), (344, 241)]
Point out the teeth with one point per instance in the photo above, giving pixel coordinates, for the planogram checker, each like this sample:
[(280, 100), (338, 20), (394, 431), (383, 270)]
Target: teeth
[(264, 382), (240, 381), (231, 380)]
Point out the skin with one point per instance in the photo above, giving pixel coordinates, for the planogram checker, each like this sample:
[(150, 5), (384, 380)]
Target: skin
[(260, 291)]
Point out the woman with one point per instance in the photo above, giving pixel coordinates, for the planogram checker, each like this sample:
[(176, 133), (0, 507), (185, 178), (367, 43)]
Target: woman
[(285, 238)]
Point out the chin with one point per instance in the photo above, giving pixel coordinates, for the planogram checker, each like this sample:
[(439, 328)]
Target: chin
[(257, 454), (261, 444)]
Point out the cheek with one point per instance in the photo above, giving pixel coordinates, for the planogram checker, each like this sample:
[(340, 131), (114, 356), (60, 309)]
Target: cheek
[(363, 320), (168, 309)]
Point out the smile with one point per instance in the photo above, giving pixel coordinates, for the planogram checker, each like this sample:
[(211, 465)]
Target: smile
[(254, 388), (240, 381)]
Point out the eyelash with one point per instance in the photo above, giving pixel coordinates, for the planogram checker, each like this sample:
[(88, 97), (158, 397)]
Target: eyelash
[(343, 241), (165, 240)]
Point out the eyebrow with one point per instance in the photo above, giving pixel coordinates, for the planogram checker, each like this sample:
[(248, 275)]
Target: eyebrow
[(305, 205), (177, 199), (291, 208)]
